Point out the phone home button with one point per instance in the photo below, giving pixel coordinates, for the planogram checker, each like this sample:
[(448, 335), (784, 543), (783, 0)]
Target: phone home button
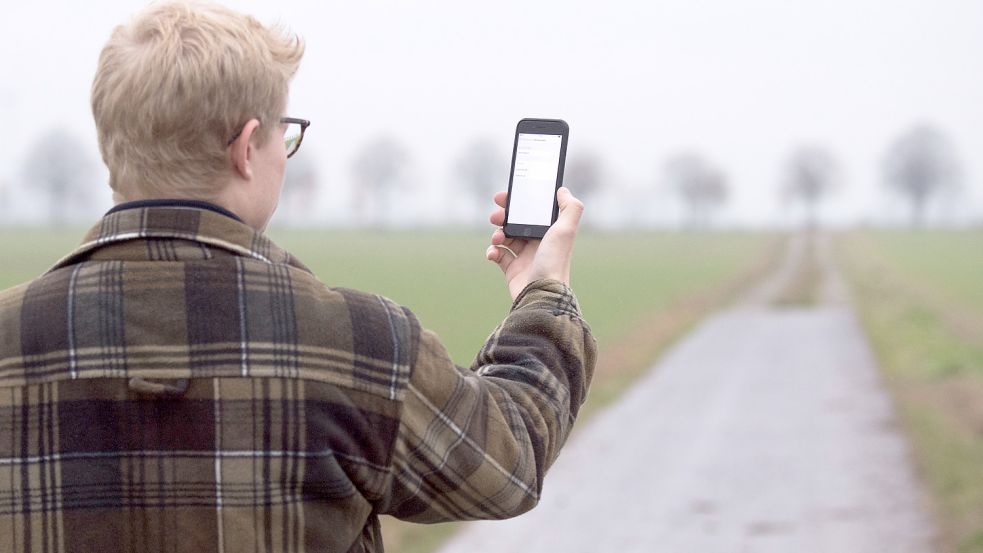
[(527, 232)]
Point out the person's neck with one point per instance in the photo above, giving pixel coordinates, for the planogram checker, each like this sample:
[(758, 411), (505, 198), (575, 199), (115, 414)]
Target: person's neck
[(236, 197)]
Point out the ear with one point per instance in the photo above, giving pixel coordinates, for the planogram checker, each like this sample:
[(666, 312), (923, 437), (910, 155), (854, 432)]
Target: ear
[(241, 150)]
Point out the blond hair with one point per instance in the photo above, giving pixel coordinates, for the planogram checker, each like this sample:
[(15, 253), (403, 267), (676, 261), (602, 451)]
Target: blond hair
[(175, 84)]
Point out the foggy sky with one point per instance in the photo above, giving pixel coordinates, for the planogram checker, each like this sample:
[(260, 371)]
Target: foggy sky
[(741, 82)]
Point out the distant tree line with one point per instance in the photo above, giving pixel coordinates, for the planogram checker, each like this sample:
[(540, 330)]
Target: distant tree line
[(918, 167)]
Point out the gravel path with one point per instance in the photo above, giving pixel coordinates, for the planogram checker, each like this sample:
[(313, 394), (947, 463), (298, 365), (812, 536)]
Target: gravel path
[(764, 430)]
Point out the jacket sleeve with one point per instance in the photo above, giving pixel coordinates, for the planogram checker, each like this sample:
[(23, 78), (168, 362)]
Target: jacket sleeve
[(476, 443)]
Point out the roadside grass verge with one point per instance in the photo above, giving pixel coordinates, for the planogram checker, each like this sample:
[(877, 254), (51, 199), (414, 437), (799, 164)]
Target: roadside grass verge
[(920, 296)]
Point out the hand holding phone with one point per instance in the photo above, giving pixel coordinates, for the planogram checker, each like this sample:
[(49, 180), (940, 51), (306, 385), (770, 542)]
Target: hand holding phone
[(536, 259), (539, 152)]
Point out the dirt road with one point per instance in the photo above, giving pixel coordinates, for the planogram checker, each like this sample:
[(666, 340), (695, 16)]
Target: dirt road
[(765, 430)]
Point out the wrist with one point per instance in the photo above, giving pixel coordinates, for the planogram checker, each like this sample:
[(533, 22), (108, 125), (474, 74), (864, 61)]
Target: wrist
[(537, 289)]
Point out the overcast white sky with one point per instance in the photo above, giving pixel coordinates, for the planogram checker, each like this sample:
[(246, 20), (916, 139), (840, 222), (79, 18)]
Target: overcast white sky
[(741, 82)]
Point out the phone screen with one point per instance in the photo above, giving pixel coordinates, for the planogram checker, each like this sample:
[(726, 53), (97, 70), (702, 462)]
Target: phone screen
[(537, 160)]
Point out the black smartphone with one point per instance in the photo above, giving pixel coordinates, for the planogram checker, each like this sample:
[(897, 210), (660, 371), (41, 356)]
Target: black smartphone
[(538, 155)]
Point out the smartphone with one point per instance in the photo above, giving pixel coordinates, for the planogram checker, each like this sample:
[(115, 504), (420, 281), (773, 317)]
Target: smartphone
[(538, 155)]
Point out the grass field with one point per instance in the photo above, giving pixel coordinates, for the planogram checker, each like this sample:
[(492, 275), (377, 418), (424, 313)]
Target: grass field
[(444, 278), (638, 291), (920, 295)]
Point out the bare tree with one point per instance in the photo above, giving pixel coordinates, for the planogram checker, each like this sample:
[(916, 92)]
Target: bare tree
[(484, 169), (919, 165), (378, 170), (59, 167), (809, 178), (584, 174), (300, 186), (701, 186)]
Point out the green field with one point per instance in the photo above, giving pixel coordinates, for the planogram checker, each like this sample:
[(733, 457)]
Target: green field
[(638, 291), (444, 278), (920, 295)]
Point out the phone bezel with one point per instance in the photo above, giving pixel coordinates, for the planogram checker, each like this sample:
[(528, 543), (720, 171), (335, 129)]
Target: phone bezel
[(536, 126)]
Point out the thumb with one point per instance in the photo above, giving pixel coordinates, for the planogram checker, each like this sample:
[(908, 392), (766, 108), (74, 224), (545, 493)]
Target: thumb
[(570, 207)]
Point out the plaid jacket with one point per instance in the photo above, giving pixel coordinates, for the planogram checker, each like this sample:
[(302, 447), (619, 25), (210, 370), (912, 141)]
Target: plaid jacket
[(179, 383)]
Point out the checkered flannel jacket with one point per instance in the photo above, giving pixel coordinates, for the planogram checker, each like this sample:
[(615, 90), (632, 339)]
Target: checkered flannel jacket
[(181, 384)]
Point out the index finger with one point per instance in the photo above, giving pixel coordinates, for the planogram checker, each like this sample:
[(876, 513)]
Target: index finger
[(501, 198)]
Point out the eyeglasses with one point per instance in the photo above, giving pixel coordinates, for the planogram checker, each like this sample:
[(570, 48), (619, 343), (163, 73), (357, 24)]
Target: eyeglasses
[(292, 137), (294, 134)]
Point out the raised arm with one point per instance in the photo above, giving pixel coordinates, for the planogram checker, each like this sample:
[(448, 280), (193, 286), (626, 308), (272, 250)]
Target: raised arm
[(476, 443)]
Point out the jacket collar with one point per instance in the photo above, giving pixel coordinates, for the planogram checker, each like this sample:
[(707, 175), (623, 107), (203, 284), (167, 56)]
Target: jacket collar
[(177, 202), (178, 221)]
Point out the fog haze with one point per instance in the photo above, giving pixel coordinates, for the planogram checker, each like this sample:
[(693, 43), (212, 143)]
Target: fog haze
[(742, 83)]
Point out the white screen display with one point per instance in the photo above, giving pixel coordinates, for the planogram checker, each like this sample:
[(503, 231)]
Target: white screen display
[(537, 159)]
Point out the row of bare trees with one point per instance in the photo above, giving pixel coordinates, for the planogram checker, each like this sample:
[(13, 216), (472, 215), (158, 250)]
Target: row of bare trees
[(918, 166)]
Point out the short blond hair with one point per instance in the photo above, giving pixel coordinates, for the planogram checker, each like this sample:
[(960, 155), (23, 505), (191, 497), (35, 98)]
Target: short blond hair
[(175, 84)]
